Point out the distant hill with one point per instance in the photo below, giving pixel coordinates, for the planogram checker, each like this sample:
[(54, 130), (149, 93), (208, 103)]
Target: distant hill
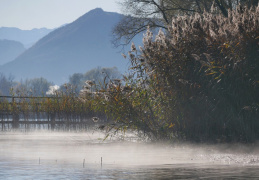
[(26, 37), (9, 50), (75, 48)]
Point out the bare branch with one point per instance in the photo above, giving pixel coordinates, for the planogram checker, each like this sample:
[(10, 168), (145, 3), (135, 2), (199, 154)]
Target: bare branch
[(158, 14)]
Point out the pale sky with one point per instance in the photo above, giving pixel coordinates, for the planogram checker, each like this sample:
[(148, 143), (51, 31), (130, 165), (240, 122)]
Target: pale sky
[(29, 14)]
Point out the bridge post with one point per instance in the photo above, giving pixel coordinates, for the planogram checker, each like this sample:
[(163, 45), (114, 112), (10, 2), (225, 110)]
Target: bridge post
[(15, 114), (52, 121)]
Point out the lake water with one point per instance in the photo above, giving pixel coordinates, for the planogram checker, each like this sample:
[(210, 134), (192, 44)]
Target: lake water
[(58, 155)]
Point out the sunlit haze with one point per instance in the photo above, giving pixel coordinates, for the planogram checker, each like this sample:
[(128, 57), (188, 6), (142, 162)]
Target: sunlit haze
[(29, 14)]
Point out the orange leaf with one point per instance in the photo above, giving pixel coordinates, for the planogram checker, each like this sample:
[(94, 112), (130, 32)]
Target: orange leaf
[(171, 125)]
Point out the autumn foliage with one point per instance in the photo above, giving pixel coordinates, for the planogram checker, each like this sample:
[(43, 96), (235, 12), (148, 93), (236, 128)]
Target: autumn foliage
[(200, 81)]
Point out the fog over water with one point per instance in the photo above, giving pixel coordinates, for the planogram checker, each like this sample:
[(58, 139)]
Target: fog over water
[(57, 155)]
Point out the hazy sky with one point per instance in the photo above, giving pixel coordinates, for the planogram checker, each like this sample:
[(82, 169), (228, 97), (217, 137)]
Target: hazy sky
[(29, 14)]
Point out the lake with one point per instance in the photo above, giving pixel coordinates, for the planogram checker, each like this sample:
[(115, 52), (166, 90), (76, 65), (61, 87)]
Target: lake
[(84, 155)]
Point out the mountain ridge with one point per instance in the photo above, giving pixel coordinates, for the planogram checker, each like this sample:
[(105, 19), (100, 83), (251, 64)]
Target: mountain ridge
[(74, 48), (9, 50), (26, 37)]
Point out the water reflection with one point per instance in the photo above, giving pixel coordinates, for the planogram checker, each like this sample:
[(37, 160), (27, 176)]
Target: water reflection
[(28, 170), (61, 156)]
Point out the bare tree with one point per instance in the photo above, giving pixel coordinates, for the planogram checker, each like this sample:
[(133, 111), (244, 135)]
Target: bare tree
[(140, 14)]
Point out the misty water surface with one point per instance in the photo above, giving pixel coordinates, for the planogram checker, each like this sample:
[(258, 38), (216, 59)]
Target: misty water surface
[(58, 155)]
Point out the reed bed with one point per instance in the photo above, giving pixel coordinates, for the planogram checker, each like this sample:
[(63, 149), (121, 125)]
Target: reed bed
[(199, 82)]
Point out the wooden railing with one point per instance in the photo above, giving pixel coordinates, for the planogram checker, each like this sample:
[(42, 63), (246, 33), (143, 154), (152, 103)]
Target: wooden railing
[(45, 112)]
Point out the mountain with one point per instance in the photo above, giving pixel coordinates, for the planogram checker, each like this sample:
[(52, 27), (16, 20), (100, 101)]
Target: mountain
[(9, 50), (26, 37), (75, 48)]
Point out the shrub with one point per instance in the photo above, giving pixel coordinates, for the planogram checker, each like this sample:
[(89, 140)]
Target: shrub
[(204, 75)]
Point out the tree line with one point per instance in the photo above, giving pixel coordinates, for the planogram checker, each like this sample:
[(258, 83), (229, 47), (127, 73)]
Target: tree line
[(43, 87)]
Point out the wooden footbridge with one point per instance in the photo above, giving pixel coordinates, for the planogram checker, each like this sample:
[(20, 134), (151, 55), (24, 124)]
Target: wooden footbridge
[(65, 113)]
